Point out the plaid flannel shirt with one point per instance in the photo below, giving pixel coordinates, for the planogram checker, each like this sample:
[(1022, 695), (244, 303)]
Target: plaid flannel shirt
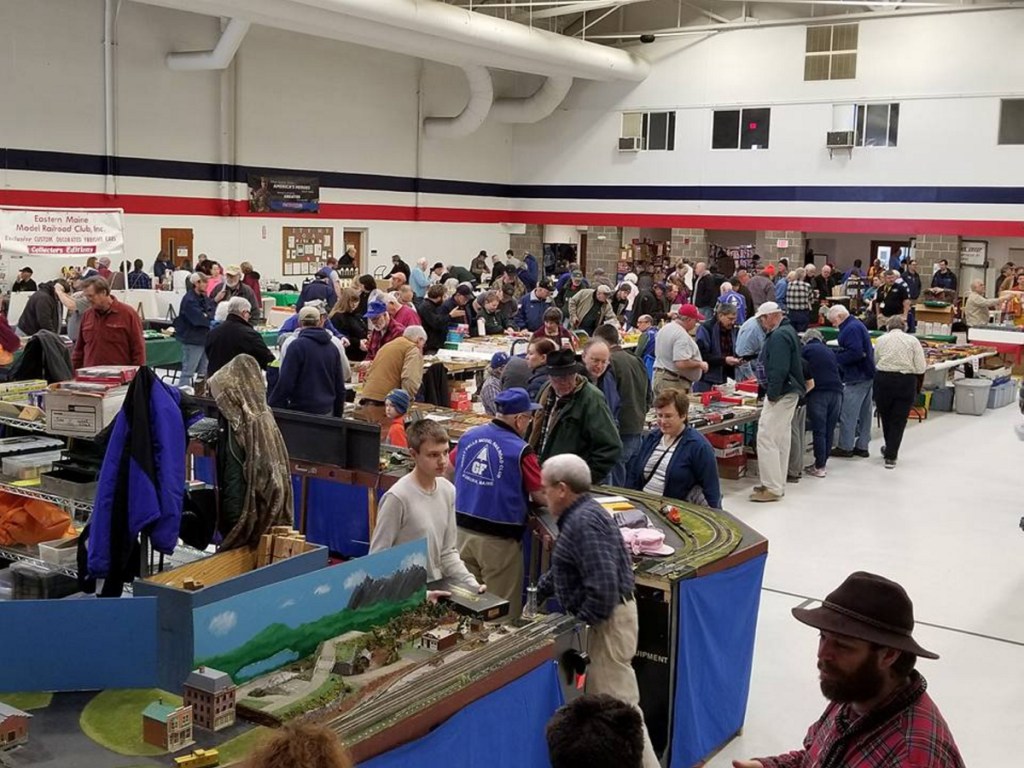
[(799, 296), (905, 731), (591, 572)]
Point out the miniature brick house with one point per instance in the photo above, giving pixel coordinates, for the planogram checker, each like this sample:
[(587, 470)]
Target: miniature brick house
[(167, 726), (13, 726), (438, 639), (211, 694)]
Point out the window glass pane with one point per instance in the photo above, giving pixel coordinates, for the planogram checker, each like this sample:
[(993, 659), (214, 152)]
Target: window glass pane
[(860, 125), (1011, 121), (816, 67), (844, 66), (894, 123), (819, 39), (646, 134), (656, 135), (844, 37), (725, 133), (876, 128), (632, 125), (754, 129), (671, 130)]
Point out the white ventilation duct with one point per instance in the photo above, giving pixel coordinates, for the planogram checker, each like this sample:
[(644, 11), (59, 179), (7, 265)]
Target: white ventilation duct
[(220, 57), (434, 31), (481, 96), (534, 108)]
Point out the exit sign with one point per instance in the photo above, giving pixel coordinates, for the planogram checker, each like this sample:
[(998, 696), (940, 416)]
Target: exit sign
[(782, 243)]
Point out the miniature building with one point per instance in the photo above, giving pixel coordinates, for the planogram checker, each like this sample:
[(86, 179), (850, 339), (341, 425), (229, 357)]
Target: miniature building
[(438, 639), (353, 664), (211, 694), (167, 726), (13, 726)]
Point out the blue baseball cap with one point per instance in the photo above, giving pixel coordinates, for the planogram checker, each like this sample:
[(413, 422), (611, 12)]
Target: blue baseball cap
[(498, 359), (513, 401), (376, 309)]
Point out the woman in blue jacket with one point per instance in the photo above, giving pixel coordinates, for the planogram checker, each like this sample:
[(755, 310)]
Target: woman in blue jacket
[(674, 460)]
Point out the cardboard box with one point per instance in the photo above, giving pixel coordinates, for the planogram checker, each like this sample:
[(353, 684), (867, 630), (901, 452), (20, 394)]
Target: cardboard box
[(733, 467), (81, 414)]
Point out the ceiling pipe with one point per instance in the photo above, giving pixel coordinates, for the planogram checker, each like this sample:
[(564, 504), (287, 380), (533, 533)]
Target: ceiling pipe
[(220, 57), (481, 97), (534, 108), (432, 31)]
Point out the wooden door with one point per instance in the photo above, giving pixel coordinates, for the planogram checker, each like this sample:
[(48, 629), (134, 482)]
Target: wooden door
[(357, 238), (177, 243)]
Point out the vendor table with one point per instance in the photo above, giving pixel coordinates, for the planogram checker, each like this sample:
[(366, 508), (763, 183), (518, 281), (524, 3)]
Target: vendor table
[(1005, 340), (829, 333), (283, 298), (166, 353)]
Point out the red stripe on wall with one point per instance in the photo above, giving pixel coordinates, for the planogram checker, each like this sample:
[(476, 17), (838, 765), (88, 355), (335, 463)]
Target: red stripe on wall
[(200, 206)]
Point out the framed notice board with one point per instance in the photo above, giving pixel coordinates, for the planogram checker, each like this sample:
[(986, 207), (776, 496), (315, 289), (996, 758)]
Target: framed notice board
[(305, 249)]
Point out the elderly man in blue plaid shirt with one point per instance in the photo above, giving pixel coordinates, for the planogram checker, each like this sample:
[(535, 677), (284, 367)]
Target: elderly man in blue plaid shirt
[(591, 575)]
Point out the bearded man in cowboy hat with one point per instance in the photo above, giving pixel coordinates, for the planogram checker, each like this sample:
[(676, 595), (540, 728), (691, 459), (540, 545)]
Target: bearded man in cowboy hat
[(879, 714)]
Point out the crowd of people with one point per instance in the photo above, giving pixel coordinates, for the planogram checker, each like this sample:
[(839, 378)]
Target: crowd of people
[(569, 415)]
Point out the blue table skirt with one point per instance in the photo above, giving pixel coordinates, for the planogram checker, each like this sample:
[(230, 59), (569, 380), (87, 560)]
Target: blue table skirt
[(505, 729), (717, 622)]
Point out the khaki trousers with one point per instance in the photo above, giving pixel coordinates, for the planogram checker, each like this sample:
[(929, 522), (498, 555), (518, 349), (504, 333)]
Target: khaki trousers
[(774, 436), (496, 562), (664, 380), (613, 645)]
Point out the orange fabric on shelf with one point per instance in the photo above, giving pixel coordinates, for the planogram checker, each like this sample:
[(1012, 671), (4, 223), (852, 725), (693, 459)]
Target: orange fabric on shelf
[(29, 521)]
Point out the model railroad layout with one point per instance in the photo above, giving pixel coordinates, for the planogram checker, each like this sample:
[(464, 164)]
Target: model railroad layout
[(433, 690), (704, 536)]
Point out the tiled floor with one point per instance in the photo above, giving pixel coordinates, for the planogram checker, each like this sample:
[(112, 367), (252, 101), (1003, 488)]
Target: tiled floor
[(944, 524)]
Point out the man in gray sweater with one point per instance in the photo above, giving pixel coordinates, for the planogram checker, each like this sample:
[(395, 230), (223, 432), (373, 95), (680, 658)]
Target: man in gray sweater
[(422, 506)]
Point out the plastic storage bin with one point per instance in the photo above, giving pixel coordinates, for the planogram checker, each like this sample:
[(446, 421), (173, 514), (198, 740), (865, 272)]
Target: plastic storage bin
[(942, 399), (972, 396), (1001, 395)]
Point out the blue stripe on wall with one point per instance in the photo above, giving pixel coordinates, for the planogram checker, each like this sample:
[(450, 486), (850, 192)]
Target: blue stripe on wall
[(67, 162)]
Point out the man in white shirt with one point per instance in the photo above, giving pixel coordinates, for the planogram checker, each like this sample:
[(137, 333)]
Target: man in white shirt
[(677, 359), (422, 506)]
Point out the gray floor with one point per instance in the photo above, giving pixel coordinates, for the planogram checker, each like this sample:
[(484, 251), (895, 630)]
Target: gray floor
[(945, 525)]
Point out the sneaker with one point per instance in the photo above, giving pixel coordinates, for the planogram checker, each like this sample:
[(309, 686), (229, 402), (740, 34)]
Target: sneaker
[(862, 453), (816, 471), (758, 488), (792, 478), (841, 453), (764, 496), (890, 463), (883, 451)]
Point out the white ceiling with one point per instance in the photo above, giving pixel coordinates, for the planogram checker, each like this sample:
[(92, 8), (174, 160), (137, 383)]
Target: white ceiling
[(622, 21)]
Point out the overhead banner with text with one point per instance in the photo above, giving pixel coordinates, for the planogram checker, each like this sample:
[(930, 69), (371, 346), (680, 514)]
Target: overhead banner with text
[(70, 233), (284, 194)]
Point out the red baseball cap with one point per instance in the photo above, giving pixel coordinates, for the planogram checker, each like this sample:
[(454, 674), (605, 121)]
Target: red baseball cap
[(689, 310)]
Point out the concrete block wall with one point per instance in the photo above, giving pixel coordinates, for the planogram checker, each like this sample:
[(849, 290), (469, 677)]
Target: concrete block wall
[(690, 245), (603, 252), (931, 249), (767, 247), (532, 240)]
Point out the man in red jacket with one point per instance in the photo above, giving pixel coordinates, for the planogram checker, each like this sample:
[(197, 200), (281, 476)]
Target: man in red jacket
[(879, 713), (111, 332)]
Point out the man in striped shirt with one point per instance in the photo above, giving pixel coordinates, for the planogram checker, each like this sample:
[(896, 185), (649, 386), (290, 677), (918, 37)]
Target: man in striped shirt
[(879, 714)]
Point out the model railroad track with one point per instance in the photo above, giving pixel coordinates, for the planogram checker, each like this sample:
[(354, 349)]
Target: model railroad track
[(706, 536), (382, 712)]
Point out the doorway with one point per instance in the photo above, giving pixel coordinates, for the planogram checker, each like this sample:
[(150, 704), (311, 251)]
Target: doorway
[(891, 253), (177, 243), (357, 238)]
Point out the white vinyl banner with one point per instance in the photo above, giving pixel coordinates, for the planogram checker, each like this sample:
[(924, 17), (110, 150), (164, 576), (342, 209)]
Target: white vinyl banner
[(70, 233)]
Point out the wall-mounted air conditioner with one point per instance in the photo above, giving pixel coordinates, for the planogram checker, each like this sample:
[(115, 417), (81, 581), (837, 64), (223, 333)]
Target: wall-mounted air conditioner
[(839, 139), (629, 144)]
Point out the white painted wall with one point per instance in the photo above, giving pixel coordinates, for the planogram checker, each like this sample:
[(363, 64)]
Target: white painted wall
[(949, 98)]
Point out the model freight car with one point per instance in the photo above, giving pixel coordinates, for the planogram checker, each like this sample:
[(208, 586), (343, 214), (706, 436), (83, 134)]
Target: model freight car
[(201, 758)]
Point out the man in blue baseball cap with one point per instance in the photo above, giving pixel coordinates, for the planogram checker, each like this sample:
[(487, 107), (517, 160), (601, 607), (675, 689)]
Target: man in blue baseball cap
[(383, 328), (496, 475)]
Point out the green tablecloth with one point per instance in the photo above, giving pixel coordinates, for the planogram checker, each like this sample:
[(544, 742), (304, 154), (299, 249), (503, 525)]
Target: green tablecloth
[(164, 353), (829, 333), (283, 298)]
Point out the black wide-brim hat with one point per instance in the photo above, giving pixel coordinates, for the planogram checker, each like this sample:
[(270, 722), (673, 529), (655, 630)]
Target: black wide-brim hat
[(871, 608)]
